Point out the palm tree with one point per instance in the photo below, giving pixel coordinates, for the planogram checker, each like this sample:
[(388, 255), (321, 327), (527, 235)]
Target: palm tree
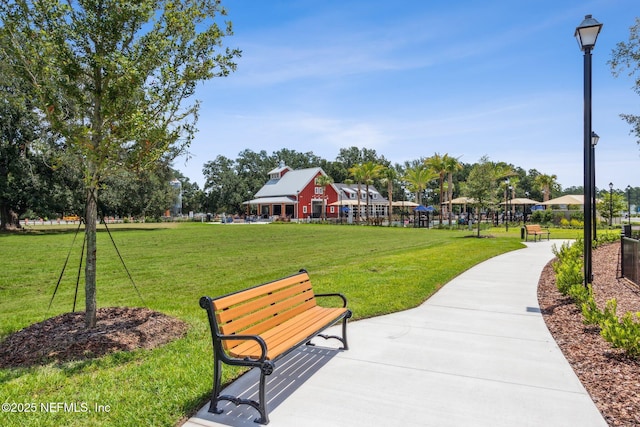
[(514, 182), (356, 173), (503, 173), (389, 175), (437, 164), (418, 177), (370, 172), (324, 181), (451, 165), (545, 183)]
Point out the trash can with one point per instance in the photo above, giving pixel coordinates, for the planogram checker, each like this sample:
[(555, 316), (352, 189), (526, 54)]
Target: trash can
[(521, 233)]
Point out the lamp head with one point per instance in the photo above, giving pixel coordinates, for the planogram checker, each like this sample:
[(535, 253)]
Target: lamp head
[(587, 33), (594, 138)]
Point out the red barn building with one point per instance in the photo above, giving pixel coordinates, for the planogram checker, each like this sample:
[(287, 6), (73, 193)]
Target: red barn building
[(296, 194)]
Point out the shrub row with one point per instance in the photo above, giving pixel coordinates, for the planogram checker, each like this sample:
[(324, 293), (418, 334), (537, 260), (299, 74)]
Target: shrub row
[(622, 332)]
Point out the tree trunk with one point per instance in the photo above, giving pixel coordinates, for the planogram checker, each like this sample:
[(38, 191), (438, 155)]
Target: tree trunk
[(367, 205), (91, 218), (450, 196), (390, 195), (359, 214), (8, 219)]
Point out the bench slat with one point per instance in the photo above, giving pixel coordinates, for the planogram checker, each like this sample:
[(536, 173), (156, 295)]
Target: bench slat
[(258, 321), (284, 336), (233, 299), (258, 329), (248, 306), (302, 328)]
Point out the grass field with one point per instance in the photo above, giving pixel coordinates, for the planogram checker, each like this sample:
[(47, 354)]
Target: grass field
[(380, 270)]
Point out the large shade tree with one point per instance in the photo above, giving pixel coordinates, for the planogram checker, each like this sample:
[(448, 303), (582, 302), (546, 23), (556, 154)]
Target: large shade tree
[(626, 58), (18, 131), (114, 79)]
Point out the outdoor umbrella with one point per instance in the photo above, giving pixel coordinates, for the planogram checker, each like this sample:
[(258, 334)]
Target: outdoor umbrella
[(403, 204), (521, 201), (569, 199)]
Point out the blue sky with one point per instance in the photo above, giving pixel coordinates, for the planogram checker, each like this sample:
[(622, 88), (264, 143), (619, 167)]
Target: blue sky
[(410, 78)]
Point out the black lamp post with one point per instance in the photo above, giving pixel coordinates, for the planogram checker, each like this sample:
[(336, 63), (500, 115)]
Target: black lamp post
[(509, 204), (587, 34), (629, 202), (594, 141), (506, 204), (610, 204)]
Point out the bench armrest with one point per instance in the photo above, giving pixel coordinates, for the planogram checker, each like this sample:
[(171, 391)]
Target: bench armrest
[(344, 299), (258, 339)]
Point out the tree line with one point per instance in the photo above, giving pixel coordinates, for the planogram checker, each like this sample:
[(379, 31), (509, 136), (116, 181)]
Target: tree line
[(431, 180)]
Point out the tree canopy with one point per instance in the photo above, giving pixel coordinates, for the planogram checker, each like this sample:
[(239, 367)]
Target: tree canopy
[(626, 58), (114, 78)]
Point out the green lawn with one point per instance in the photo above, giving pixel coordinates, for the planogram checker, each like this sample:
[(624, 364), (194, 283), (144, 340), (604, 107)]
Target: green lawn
[(380, 270)]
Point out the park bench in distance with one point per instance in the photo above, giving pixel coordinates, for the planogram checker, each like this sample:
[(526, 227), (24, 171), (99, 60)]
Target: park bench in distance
[(257, 326), (535, 230)]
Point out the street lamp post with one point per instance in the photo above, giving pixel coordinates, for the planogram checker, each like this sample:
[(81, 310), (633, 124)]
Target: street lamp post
[(506, 204), (509, 204), (629, 202), (611, 204), (587, 34), (594, 141)]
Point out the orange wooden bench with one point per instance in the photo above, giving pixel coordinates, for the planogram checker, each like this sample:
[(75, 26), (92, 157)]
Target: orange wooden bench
[(257, 326), (535, 230)]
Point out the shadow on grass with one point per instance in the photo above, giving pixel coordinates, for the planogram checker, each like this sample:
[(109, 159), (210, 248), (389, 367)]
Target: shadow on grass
[(64, 229)]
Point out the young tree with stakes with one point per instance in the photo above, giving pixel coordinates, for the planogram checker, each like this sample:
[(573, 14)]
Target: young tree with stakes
[(113, 77)]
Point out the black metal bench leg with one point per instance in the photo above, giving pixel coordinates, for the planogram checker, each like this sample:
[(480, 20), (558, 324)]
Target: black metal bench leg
[(344, 333), (266, 369), (217, 379)]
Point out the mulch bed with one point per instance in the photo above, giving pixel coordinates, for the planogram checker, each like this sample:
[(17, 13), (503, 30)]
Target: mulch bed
[(611, 378), (64, 338)]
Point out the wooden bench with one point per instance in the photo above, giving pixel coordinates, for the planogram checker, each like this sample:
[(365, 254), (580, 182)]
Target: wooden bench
[(257, 326), (535, 230)]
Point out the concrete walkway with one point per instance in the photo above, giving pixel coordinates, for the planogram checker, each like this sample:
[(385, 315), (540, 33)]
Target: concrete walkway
[(477, 353)]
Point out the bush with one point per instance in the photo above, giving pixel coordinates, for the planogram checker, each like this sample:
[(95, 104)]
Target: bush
[(578, 216), (620, 333), (625, 333), (587, 303), (606, 238), (568, 267), (575, 223), (542, 217)]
